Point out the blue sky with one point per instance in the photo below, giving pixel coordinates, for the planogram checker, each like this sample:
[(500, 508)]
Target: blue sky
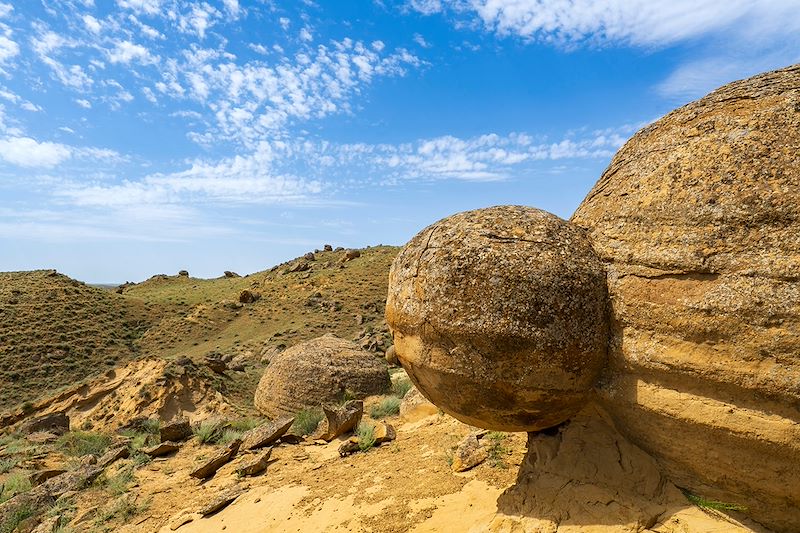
[(146, 136)]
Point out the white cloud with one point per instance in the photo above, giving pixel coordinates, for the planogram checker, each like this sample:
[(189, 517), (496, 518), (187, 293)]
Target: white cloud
[(284, 22), (8, 49), (125, 52), (305, 35), (258, 48), (27, 152), (150, 7), (420, 40), (5, 9), (240, 179), (426, 7), (29, 106), (92, 24), (86, 104)]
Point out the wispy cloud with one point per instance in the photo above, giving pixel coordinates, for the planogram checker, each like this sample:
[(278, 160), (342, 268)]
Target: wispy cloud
[(730, 40)]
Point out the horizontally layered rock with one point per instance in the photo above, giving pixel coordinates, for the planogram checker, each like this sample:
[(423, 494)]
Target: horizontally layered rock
[(499, 316), (698, 221)]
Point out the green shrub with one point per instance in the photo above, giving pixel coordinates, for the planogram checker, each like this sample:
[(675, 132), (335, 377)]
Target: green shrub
[(401, 387), (122, 509), (13, 519), (79, 443), (703, 503), (306, 421), (246, 424), (366, 436), (208, 432), (387, 407), (228, 436), (497, 449), (13, 485), (7, 464)]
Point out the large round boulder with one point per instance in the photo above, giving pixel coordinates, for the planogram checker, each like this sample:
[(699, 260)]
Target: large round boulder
[(698, 220), (499, 316), (322, 370)]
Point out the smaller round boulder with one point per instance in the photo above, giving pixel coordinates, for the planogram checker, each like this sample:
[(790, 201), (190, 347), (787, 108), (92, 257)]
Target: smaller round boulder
[(500, 317), (319, 371)]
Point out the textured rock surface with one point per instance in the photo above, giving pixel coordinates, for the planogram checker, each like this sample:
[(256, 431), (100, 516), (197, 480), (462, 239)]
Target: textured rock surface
[(266, 434), (209, 467), (318, 371), (586, 477), (698, 219), (339, 419), (470, 453), (499, 316)]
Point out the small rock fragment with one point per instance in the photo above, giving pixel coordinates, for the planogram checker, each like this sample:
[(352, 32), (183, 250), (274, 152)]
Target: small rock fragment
[(247, 296), (470, 453), (113, 454), (176, 430), (266, 434), (221, 501), (340, 420), (256, 465), (384, 432), (37, 478), (210, 467), (349, 447), (161, 449)]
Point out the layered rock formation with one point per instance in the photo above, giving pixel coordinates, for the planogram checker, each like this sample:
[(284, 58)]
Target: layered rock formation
[(698, 221), (499, 317), (322, 370)]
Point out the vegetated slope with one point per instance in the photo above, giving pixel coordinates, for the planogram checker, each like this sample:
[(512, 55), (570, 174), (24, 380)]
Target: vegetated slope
[(326, 295), (55, 331)]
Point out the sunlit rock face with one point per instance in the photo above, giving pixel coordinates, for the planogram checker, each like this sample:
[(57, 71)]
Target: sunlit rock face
[(698, 222), (499, 316)]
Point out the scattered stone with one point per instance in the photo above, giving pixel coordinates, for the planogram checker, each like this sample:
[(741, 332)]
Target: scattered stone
[(161, 449), (48, 525), (291, 438), (384, 432), (469, 454), (349, 255), (319, 371), (184, 273), (176, 430), (57, 423), (113, 455), (222, 500), (256, 465), (88, 460), (327, 248), (338, 249), (391, 356), (216, 364), (41, 437), (340, 420), (229, 274), (182, 518), (37, 478), (266, 434), (298, 266), (310, 256), (349, 447), (247, 296), (210, 467)]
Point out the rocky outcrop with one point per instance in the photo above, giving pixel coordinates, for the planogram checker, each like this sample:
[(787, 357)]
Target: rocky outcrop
[(698, 221), (266, 434), (499, 317), (318, 371)]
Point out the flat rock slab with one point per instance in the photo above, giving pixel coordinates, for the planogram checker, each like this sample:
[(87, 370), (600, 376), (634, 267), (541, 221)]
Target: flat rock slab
[(114, 454), (210, 467), (256, 465), (221, 501), (41, 437), (37, 478), (340, 420), (164, 448), (266, 434), (55, 423), (176, 430)]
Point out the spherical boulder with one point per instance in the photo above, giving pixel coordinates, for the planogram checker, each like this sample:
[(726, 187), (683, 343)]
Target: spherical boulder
[(499, 316), (318, 371)]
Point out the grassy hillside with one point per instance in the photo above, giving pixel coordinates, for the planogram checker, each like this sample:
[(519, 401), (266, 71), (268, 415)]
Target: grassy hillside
[(55, 331)]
